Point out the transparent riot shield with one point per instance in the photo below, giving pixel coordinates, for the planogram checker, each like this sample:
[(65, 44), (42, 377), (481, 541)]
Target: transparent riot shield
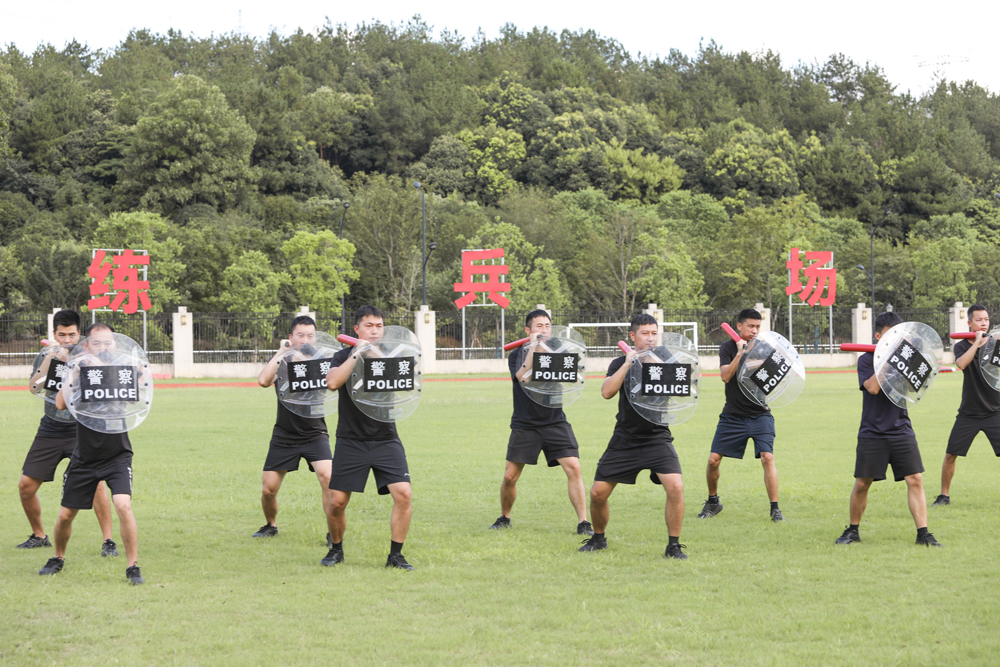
[(989, 358), (108, 386), (662, 381), (301, 377), (386, 381), (771, 373), (554, 368), (47, 373), (907, 358)]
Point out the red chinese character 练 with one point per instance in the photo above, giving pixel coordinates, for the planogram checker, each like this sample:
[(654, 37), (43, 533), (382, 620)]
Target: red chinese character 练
[(98, 271), (827, 278), (491, 286), (126, 282)]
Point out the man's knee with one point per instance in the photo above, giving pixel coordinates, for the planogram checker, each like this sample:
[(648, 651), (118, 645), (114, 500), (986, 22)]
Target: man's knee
[(672, 484), (767, 459), (600, 492), (338, 501), (66, 515), (512, 473), (571, 465), (862, 484), (402, 494), (123, 503), (714, 460), (915, 480), (950, 459), (28, 487)]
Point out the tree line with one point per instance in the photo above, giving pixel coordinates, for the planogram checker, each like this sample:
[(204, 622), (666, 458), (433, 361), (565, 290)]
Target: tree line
[(611, 180)]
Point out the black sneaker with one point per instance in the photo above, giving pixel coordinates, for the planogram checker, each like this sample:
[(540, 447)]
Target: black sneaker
[(850, 536), (595, 543), (941, 500), (52, 566), (928, 540), (134, 576), (776, 515), (267, 530), (333, 557), (674, 551), (709, 510), (34, 542), (397, 561), (584, 528), (109, 548), (502, 522)]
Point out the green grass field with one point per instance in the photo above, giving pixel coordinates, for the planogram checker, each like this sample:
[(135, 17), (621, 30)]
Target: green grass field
[(752, 593)]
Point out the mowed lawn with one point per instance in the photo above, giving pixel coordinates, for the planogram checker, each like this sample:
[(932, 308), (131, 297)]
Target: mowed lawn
[(752, 593)]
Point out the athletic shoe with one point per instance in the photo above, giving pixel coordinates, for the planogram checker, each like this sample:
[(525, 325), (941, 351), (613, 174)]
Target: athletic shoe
[(397, 561), (709, 510), (776, 515), (333, 557), (109, 548), (928, 540), (502, 522), (850, 535), (584, 528), (134, 576), (674, 551), (34, 541), (267, 530), (52, 566), (941, 500), (595, 543)]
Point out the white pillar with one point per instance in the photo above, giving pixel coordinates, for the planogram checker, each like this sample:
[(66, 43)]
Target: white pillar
[(861, 324), (425, 327), (183, 343), (765, 316), (541, 306), (304, 310), (957, 318), (52, 328)]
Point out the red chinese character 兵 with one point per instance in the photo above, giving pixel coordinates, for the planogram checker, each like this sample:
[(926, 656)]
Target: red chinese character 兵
[(99, 272), (827, 278), (491, 285), (126, 282)]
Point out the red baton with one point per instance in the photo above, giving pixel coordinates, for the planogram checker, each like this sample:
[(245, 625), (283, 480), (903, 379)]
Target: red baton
[(732, 332), (517, 343), (947, 369), (347, 340), (624, 347), (856, 347), (968, 335)]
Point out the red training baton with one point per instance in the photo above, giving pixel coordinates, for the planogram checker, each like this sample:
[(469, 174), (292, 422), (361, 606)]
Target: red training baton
[(517, 343), (732, 332), (968, 335), (947, 369), (856, 347), (624, 347), (347, 340)]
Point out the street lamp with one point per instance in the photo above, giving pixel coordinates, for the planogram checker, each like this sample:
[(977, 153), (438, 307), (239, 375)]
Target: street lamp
[(872, 277), (343, 314), (423, 237)]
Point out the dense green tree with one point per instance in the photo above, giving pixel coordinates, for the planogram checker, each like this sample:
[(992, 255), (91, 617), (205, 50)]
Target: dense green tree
[(320, 268), (251, 285)]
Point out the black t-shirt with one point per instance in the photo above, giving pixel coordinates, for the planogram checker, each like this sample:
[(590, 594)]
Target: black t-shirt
[(630, 426), (527, 413), (293, 429), (53, 428), (94, 448), (880, 417), (351, 422), (979, 399), (737, 403)]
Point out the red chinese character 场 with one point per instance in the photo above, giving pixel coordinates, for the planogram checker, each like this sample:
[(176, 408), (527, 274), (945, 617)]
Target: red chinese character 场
[(491, 286), (98, 271), (126, 282), (815, 272)]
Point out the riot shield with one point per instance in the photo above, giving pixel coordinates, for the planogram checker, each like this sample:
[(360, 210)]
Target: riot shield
[(662, 381), (301, 377), (555, 368), (386, 381), (47, 373), (989, 359), (108, 386), (771, 373), (906, 362)]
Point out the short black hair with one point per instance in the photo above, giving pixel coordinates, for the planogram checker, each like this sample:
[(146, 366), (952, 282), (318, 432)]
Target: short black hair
[(640, 320), (538, 312), (71, 318), (367, 311), (977, 306), (887, 320), (301, 319), (98, 326), (748, 314)]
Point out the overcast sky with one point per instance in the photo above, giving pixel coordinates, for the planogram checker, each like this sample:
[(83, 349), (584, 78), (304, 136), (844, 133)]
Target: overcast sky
[(914, 43)]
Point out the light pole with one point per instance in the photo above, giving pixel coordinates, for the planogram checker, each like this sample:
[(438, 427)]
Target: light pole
[(423, 237), (872, 276), (343, 314)]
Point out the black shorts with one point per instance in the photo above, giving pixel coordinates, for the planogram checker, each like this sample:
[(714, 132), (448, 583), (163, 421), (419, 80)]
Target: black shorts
[(874, 455), (621, 464), (352, 459), (966, 429), (80, 481), (557, 441), (732, 434), (286, 457), (46, 452)]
